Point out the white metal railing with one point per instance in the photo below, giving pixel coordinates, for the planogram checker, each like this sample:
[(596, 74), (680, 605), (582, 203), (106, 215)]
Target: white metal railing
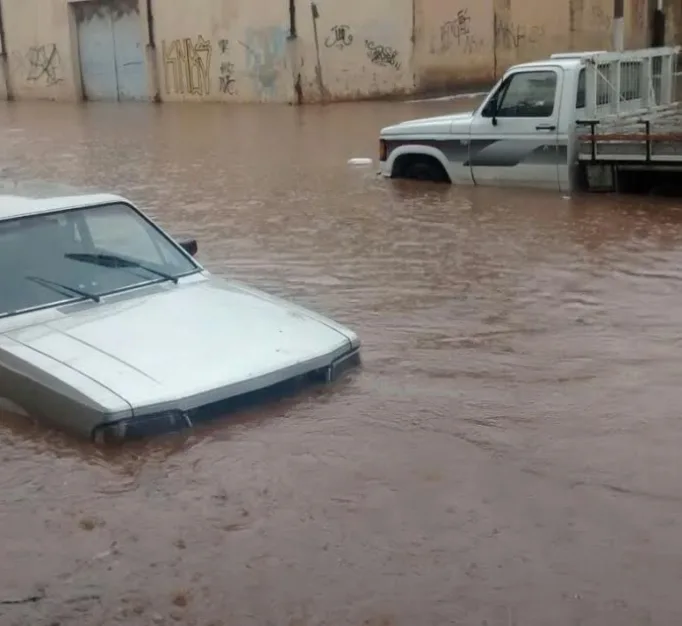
[(634, 81)]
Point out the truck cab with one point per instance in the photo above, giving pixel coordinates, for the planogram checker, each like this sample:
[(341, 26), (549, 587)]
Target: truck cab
[(523, 134)]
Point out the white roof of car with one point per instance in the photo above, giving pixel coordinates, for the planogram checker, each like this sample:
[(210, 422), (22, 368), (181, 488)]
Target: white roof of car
[(20, 206)]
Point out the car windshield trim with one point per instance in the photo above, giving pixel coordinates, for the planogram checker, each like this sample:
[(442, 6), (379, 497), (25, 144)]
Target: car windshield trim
[(40, 307), (148, 283), (61, 287), (105, 294)]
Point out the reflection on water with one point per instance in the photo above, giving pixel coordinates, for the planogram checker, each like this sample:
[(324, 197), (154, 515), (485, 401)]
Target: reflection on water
[(507, 455)]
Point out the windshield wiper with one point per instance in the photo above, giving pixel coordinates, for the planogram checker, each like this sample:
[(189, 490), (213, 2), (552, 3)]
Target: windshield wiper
[(64, 288), (113, 260)]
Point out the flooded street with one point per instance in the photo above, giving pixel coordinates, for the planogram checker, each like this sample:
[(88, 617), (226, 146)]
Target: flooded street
[(508, 455)]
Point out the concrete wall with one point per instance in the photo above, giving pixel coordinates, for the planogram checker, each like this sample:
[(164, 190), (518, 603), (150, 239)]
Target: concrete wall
[(232, 51), (529, 29), (454, 43), (637, 23), (355, 49), (476, 41), (240, 50), (3, 82), (39, 49)]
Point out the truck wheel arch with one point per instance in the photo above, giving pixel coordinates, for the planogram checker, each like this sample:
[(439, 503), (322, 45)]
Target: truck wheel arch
[(408, 161)]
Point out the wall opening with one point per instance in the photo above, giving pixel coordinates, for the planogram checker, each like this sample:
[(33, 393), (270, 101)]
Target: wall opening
[(110, 50)]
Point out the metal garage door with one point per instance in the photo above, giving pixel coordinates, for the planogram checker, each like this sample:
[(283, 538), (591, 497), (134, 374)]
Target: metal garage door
[(111, 52)]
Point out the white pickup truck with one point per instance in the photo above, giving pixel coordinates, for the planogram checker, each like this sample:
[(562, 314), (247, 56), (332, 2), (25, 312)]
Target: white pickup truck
[(529, 131)]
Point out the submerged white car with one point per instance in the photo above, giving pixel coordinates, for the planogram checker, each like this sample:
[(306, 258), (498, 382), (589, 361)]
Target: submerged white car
[(112, 330)]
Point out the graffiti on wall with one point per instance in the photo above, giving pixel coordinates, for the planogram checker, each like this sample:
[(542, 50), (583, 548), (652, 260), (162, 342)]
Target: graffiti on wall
[(186, 66), (265, 57), (226, 79), (340, 37), (456, 34), (453, 31), (41, 64), (513, 36), (382, 55)]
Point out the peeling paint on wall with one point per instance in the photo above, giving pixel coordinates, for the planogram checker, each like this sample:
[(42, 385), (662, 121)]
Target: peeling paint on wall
[(266, 58), (85, 11)]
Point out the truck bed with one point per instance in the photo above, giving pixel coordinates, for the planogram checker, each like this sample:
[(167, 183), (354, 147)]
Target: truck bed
[(652, 136)]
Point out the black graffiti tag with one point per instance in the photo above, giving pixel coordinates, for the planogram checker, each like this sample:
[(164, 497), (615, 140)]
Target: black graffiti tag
[(382, 55), (340, 37), (227, 80), (511, 35), (44, 62), (454, 31)]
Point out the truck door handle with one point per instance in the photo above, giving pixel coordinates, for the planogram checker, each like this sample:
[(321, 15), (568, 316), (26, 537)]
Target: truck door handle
[(545, 127)]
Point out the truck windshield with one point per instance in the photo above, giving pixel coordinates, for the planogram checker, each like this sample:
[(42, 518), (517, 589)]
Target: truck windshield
[(82, 254)]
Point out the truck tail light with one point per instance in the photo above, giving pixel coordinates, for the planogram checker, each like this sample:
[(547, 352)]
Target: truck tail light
[(383, 151)]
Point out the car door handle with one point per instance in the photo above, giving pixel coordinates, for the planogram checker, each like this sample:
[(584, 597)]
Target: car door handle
[(545, 127)]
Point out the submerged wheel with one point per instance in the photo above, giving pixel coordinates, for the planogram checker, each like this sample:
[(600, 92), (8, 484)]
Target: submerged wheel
[(420, 167)]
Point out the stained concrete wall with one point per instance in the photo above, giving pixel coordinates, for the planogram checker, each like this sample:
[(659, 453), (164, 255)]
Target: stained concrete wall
[(40, 61), (232, 51), (529, 29), (355, 49), (454, 43), (241, 50), (476, 41)]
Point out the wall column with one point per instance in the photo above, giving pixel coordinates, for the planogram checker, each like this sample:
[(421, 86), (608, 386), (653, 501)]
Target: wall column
[(4, 64), (618, 25)]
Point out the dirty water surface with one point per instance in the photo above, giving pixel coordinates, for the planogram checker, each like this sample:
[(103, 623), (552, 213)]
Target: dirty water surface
[(508, 454)]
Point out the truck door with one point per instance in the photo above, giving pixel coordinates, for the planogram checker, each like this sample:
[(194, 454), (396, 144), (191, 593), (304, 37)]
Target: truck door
[(514, 134)]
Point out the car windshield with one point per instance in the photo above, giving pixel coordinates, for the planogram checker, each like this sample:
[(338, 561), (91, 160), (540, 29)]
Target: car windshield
[(82, 254)]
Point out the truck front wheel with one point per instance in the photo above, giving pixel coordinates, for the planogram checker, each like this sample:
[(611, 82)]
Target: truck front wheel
[(420, 167)]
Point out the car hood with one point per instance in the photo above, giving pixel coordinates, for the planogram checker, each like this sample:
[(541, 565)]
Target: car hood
[(189, 339), (430, 125)]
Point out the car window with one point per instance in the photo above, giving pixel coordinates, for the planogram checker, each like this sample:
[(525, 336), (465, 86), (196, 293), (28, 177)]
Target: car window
[(528, 94), (75, 254), (112, 230)]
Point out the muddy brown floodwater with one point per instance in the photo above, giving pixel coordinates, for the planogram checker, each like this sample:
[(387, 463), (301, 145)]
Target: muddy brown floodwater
[(510, 454)]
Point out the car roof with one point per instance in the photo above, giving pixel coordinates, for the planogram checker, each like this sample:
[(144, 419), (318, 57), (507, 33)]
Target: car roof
[(20, 206)]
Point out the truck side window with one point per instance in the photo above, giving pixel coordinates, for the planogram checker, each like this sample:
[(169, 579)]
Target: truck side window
[(529, 94), (580, 96)]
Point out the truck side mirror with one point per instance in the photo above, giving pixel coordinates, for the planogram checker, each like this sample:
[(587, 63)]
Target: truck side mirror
[(490, 110), (189, 245)]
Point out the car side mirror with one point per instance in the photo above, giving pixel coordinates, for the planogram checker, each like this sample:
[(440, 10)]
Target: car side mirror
[(189, 245)]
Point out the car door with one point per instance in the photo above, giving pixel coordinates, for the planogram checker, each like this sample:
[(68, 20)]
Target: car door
[(514, 134)]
